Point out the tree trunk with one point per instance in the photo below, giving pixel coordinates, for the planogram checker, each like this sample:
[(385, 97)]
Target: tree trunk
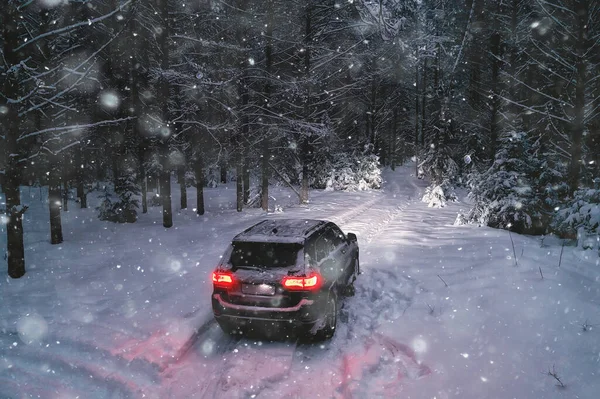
[(417, 115), (165, 194), (394, 127), (14, 228), (239, 187), (266, 150), (143, 179), (305, 171), (199, 171), (242, 133), (246, 178), (264, 187), (81, 194), (54, 202), (165, 93), (14, 234), (581, 11), (308, 34), (65, 195), (115, 164), (424, 125), (79, 176), (182, 186), (223, 172), (495, 91)]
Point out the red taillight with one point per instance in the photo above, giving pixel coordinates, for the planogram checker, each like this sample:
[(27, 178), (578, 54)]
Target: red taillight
[(310, 283), (223, 280)]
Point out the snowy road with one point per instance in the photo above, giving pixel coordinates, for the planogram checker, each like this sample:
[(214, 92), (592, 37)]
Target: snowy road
[(439, 311)]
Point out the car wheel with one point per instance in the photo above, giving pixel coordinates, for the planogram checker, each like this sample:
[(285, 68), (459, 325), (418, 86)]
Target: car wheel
[(330, 320), (349, 289)]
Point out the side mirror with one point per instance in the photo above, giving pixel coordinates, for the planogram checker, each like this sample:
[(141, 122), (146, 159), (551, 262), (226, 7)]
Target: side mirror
[(352, 237)]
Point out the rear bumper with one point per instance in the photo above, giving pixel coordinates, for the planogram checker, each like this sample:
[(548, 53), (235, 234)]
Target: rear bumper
[(305, 312)]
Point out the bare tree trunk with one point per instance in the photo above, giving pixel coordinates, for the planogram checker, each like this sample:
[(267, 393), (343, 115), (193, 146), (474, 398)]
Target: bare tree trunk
[(424, 125), (137, 81), (308, 34), (223, 172), (495, 90), (81, 194), (266, 150), (246, 177), (79, 175), (305, 171), (239, 187), (243, 129), (10, 123), (165, 95), (143, 178), (581, 12), (54, 203), (417, 115), (394, 127), (182, 186), (199, 172), (65, 195), (165, 194)]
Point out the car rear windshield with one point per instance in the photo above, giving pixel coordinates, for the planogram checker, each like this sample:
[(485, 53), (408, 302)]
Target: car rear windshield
[(266, 255)]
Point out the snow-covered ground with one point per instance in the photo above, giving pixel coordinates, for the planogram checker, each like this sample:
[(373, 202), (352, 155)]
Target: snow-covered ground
[(123, 311)]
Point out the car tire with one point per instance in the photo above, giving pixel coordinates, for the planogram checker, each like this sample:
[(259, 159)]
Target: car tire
[(330, 315), (349, 290), (356, 269)]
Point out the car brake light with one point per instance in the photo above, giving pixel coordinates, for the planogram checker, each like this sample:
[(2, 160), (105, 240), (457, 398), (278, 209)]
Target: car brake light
[(223, 280), (310, 283)]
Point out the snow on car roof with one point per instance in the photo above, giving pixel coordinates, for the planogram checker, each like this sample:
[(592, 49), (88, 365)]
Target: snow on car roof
[(280, 230)]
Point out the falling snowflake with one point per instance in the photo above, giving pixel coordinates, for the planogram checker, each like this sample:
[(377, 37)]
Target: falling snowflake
[(109, 100), (32, 328), (51, 3)]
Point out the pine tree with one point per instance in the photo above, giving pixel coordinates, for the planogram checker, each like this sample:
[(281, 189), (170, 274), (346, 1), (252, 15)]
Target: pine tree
[(505, 195)]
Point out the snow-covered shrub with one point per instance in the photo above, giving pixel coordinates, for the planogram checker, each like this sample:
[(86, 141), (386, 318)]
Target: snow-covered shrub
[(461, 220), (124, 209), (355, 172), (437, 196), (105, 209), (212, 181), (190, 178), (503, 195), (154, 199), (439, 166), (442, 171), (254, 197), (581, 217)]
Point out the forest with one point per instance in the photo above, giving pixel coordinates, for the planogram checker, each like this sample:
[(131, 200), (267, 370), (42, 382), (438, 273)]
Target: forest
[(122, 98)]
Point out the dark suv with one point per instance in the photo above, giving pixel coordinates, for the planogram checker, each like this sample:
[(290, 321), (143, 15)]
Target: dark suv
[(282, 273)]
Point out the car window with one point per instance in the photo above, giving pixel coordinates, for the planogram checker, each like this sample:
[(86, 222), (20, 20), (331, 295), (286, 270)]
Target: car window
[(267, 255), (336, 236), (310, 250), (322, 247)]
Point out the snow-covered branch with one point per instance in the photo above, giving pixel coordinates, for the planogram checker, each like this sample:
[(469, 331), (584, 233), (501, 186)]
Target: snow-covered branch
[(72, 27)]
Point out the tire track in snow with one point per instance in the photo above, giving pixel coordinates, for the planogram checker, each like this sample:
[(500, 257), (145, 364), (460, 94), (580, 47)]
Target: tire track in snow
[(359, 351), (79, 368), (240, 369), (346, 216)]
